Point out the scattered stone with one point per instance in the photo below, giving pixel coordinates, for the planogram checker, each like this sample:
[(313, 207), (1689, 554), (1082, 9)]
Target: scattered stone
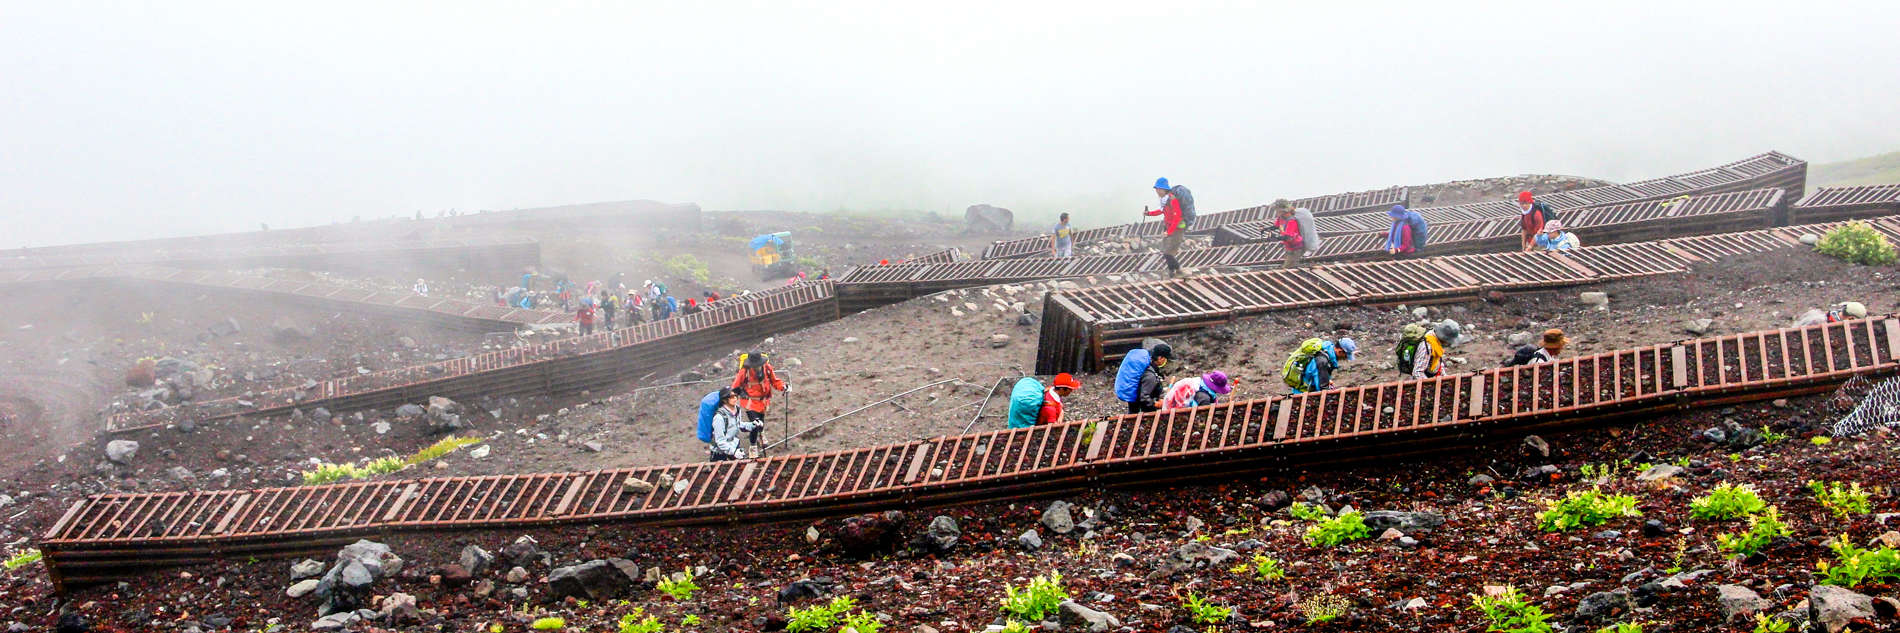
[(1655, 528), (593, 446), (1122, 559), (480, 452), (1072, 613), (179, 474), (1605, 605), (287, 330), (226, 327), (475, 559), (594, 579), (400, 608), (1030, 541), (1380, 520), (1481, 479), (408, 411), (1810, 239), (1736, 600), (1538, 445), (305, 568), (940, 536), (1193, 555), (868, 534), (1057, 517), (1699, 327), (850, 340), (1660, 472), (637, 485), (302, 587), (516, 575), (347, 586), (525, 551), (1194, 524), (1275, 499), (1834, 608), (1594, 298), (999, 340), (121, 451)]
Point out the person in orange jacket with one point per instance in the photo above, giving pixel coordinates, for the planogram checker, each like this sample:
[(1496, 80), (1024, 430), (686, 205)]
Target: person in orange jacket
[(755, 383)]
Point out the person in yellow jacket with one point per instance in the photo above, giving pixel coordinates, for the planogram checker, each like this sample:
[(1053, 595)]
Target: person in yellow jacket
[(1430, 361)]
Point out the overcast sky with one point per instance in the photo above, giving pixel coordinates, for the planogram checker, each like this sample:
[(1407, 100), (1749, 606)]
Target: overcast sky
[(154, 119)]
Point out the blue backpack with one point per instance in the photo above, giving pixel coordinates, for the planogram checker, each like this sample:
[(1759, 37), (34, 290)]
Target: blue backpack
[(1128, 378), (1025, 403), (708, 406)]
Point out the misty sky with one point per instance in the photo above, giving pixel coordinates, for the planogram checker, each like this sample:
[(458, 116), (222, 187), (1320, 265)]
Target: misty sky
[(176, 118)]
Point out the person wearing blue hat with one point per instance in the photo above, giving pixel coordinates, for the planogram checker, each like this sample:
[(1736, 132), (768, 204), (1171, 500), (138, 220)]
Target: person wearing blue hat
[(1177, 210), (1407, 235), (1319, 372)]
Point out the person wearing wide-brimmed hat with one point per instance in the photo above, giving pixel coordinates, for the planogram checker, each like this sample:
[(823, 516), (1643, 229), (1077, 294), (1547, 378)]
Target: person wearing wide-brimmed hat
[(1430, 361), (1196, 391), (1544, 352)]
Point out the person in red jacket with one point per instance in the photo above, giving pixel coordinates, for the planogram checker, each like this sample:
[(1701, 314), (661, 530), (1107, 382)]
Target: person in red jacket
[(1531, 216), (1059, 388), (585, 315), (1170, 213), (755, 383)]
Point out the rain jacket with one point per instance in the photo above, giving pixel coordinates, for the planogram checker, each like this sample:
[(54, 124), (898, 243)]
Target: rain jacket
[(1319, 370), (1431, 358), (727, 425), (1170, 213), (755, 387), (1407, 233)]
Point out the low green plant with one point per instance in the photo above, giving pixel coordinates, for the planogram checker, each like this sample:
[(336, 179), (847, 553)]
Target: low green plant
[(1820, 440), (1843, 500), (682, 589), (1200, 611), (1604, 473), (1306, 511), (813, 618), (1267, 568), (1727, 502), (1323, 607), (1771, 624), (1036, 600), (548, 624), (691, 619), (1855, 566), (328, 473), (1769, 436), (639, 622), (1511, 613), (1350, 526), (1013, 626), (686, 266), (1858, 243), (862, 623), (1587, 507), (23, 559), (1762, 529), (1622, 627)]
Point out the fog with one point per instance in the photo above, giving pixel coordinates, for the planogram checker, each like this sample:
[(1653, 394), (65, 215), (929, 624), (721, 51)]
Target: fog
[(178, 118)]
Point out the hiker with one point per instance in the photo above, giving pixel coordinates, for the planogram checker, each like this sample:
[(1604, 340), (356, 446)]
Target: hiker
[(1298, 234), (1531, 217), (1310, 366), (1138, 382), (1177, 210), (1834, 314), (1407, 235), (1031, 404), (585, 315), (527, 281), (755, 383), (1428, 359), (1197, 391), (1544, 352), (692, 307), (1555, 238), (1061, 238), (1059, 387), (609, 302), (727, 424), (421, 287)]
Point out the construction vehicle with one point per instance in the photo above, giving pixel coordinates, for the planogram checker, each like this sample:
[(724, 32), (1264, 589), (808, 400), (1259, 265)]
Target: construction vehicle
[(772, 256)]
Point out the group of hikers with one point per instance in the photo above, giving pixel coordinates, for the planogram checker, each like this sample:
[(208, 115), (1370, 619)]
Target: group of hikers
[(1297, 232), (593, 304), (739, 409)]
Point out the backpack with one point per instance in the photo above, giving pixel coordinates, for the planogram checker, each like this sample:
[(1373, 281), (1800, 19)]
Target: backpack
[(1294, 372), (1407, 349), (1025, 402), (1549, 213), (1523, 356), (1186, 198), (1128, 378), (708, 406)]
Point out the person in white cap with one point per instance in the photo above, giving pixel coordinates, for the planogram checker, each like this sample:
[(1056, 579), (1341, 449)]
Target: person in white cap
[(1555, 238)]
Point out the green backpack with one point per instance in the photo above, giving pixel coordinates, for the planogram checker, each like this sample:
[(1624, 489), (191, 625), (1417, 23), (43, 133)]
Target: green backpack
[(1294, 372), (1407, 349)]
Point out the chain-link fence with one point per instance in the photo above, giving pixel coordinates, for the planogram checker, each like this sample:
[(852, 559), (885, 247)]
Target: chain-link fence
[(1879, 407)]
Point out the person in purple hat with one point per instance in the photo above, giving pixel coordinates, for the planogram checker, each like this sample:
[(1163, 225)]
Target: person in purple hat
[(1197, 391)]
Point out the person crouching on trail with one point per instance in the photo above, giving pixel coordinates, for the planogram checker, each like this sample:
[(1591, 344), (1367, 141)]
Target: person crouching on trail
[(727, 424), (754, 384), (1552, 345), (1407, 235), (1197, 391), (1059, 388), (1138, 382), (1531, 216), (1298, 233), (1311, 366)]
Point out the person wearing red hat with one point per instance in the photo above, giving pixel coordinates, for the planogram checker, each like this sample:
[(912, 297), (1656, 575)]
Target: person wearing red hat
[(1059, 388), (1531, 216)]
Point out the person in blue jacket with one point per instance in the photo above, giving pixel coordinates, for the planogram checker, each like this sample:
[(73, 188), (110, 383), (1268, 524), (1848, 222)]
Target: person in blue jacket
[(1139, 382), (1319, 370), (1407, 235)]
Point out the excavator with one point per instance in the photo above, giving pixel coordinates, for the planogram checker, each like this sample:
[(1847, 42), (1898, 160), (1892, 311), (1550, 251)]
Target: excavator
[(772, 256)]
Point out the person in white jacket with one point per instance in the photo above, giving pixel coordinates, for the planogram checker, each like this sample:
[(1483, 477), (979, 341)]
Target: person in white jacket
[(727, 424)]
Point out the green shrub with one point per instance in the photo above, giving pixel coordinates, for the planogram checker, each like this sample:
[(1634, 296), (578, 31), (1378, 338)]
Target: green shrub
[(691, 619), (682, 589), (686, 266), (23, 559), (1267, 568), (862, 623), (1727, 502), (1201, 611), (1013, 626), (1622, 627), (1509, 612), (1771, 624), (1580, 508), (1762, 529), (1856, 242), (1842, 500), (1855, 566), (1324, 607), (1306, 511), (1035, 601), (547, 624), (1350, 526), (328, 473), (810, 619)]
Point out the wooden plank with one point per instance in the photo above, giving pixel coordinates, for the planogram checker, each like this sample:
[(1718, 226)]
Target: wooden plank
[(1893, 337), (1281, 418), (917, 463), (1349, 289), (738, 487), (224, 525), (573, 489), (1679, 376), (403, 499), (1449, 269), (1477, 396)]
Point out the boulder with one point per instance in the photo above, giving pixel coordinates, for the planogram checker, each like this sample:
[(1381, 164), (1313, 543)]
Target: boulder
[(1073, 614), (1834, 608), (1030, 541), (409, 411), (594, 579), (869, 533), (1699, 327), (1738, 601), (1192, 555), (1605, 605), (636, 485), (475, 559), (1058, 519), (302, 588), (1380, 520), (285, 329), (121, 451), (305, 568), (1810, 239), (1660, 472), (399, 608), (1537, 445), (516, 575), (940, 537), (1274, 500), (1593, 298), (983, 218), (226, 327), (999, 340), (348, 584), (524, 552)]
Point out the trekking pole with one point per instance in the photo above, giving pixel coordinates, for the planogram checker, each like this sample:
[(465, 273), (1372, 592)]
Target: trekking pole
[(788, 417)]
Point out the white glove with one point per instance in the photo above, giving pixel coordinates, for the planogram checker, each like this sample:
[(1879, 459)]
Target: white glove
[(738, 453)]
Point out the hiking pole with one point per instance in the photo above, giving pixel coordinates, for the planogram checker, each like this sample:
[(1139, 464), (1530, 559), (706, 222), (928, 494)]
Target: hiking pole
[(788, 417)]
